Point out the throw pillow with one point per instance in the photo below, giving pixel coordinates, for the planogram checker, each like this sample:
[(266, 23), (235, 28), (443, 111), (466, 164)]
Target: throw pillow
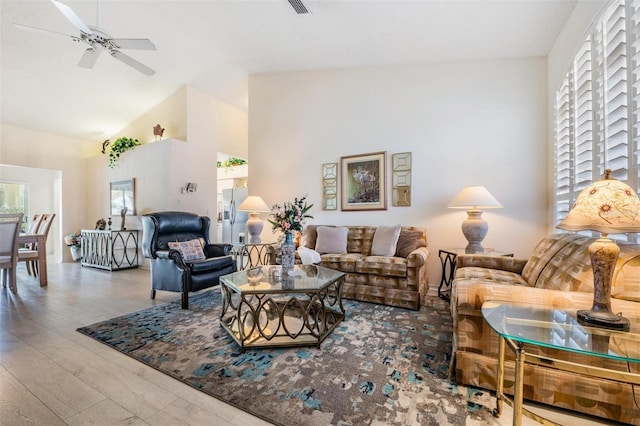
[(189, 250), (309, 236), (385, 240), (408, 242), (331, 240)]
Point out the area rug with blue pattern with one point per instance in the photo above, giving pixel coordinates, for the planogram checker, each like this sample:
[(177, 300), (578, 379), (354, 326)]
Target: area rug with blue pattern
[(381, 365)]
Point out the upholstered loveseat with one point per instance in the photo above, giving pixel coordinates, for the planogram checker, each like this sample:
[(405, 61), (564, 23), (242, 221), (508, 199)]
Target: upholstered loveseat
[(558, 272), (399, 279)]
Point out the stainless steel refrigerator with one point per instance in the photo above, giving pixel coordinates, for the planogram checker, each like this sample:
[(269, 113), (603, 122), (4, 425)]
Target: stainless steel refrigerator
[(233, 221)]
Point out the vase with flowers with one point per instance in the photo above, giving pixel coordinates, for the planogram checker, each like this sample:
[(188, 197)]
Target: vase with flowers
[(288, 218), (73, 241)]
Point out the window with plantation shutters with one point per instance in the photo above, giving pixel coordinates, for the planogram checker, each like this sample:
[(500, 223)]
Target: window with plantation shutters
[(633, 20), (563, 150), (597, 108)]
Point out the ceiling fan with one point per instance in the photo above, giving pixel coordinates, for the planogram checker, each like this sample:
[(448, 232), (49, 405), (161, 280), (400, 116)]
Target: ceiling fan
[(99, 41)]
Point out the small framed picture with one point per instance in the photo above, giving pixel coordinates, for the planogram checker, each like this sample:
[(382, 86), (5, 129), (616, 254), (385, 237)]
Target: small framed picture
[(363, 180), (123, 197)]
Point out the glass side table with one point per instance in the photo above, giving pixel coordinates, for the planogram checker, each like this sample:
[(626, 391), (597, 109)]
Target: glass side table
[(557, 328), (449, 260), (249, 255)]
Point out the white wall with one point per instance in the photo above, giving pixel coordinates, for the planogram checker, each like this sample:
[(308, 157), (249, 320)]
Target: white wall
[(467, 123), (38, 153), (162, 168), (171, 114)]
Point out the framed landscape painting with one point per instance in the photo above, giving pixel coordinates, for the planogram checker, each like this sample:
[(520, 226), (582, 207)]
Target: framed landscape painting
[(363, 181)]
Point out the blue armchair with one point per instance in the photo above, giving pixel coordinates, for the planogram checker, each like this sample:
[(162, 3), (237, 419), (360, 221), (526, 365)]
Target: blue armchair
[(169, 270)]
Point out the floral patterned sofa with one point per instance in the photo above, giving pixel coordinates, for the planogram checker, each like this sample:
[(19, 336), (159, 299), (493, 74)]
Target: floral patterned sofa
[(558, 272), (399, 280)]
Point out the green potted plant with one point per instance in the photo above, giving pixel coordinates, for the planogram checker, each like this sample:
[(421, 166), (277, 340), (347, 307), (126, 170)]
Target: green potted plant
[(120, 146), (230, 162)]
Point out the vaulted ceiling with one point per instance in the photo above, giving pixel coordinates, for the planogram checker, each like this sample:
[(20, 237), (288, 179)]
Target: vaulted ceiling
[(216, 44)]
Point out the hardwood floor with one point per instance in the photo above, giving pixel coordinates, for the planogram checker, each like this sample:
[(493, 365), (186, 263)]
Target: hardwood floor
[(52, 375)]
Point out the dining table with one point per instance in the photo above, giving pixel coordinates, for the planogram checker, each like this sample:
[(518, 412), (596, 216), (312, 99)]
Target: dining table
[(40, 241)]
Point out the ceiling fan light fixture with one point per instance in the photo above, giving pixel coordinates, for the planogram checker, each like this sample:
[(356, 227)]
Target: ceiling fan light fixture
[(98, 41)]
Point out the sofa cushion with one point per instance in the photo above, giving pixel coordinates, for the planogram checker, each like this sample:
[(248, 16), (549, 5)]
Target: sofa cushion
[(487, 274), (385, 240), (570, 267), (309, 237), (382, 265), (408, 241), (345, 262), (211, 264), (360, 239), (543, 253), (189, 250), (332, 240)]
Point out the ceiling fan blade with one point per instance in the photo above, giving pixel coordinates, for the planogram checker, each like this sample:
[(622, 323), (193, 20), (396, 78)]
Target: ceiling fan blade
[(72, 17), (134, 43), (132, 62), (89, 58), (41, 30)]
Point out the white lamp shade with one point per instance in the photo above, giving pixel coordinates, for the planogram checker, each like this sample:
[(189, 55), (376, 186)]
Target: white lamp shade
[(474, 228), (253, 203), (474, 197), (608, 206)]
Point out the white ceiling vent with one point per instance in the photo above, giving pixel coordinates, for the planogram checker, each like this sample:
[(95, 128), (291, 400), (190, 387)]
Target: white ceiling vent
[(298, 6)]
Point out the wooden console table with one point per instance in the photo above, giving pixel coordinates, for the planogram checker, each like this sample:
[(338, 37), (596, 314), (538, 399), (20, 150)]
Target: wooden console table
[(110, 250)]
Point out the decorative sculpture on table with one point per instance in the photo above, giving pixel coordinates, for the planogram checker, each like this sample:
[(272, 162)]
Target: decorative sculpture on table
[(123, 215), (101, 224)]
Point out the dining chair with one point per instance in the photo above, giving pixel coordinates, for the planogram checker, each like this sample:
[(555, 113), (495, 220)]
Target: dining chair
[(9, 229), (32, 228), (30, 255), (34, 224)]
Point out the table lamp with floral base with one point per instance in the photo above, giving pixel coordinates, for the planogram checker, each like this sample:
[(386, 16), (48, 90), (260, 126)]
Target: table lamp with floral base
[(608, 206)]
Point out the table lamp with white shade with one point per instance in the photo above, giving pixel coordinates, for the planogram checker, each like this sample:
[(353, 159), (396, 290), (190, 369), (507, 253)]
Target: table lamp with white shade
[(474, 228), (254, 205), (608, 206)]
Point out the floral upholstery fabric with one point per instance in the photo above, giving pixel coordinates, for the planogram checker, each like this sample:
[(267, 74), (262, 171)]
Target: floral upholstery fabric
[(388, 280), (475, 345)]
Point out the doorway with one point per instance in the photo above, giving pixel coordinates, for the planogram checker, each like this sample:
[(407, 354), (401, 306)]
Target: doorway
[(39, 192)]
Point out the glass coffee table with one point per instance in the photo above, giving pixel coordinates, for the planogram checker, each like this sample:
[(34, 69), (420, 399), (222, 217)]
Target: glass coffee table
[(266, 307), (557, 328)]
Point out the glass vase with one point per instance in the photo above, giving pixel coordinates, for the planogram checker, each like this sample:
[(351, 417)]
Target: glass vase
[(288, 252)]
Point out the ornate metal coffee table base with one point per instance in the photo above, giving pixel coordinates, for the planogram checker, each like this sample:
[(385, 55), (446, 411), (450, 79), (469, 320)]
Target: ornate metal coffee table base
[(266, 316)]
